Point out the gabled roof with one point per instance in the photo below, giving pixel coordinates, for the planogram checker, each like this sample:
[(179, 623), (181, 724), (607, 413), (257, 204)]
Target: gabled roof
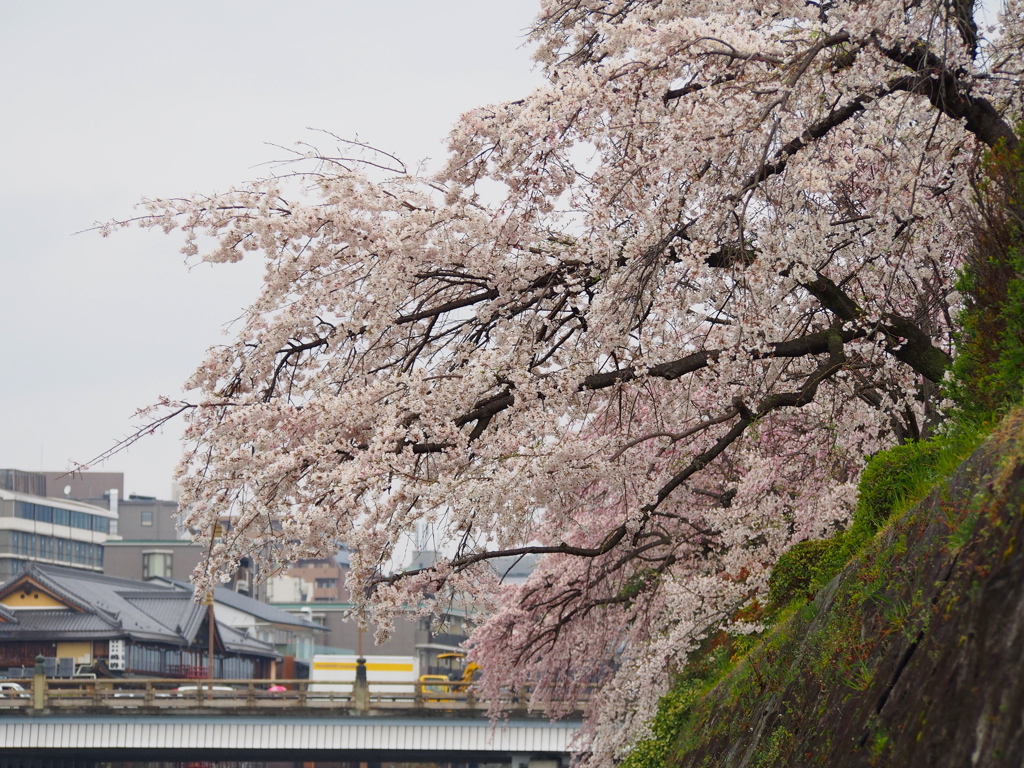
[(34, 580), (240, 641), (104, 606), (262, 611), (169, 610)]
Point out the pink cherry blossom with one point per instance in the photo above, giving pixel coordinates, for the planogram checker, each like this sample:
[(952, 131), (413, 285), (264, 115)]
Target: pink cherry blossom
[(646, 323)]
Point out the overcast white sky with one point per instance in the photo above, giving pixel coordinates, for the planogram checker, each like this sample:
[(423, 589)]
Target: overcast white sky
[(106, 102)]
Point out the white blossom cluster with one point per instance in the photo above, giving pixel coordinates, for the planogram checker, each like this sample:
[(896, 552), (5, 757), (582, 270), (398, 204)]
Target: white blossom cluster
[(717, 276)]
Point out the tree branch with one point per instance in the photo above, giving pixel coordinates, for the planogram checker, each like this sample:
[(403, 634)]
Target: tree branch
[(906, 341), (948, 94), (448, 306), (801, 397)]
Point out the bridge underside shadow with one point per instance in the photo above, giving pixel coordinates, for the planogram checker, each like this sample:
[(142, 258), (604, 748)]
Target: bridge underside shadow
[(70, 742), (56, 758)]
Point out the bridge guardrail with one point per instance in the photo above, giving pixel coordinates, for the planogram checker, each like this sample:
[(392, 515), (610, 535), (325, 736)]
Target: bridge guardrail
[(188, 694)]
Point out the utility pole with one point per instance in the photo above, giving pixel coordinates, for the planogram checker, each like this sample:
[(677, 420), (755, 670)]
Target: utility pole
[(208, 601), (218, 532)]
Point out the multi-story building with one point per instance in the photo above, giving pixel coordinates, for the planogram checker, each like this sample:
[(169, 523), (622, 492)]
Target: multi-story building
[(90, 487), (48, 530), (148, 545), (151, 545), (315, 589), (316, 580), (147, 518)]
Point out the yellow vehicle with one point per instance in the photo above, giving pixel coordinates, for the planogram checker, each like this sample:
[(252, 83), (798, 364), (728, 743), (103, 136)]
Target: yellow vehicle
[(432, 686), (460, 674), (457, 677)]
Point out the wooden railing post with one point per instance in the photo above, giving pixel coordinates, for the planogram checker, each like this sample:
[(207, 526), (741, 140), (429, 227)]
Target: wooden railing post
[(39, 684)]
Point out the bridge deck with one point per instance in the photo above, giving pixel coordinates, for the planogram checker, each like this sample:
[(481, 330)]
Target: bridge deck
[(161, 719)]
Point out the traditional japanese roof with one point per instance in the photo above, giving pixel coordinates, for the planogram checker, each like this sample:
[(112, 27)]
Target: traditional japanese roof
[(26, 589), (58, 603), (49, 624), (262, 611), (240, 641)]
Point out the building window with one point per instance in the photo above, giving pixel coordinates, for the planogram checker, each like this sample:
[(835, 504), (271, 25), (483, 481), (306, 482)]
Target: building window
[(42, 513), (156, 564), (147, 517), (326, 583)]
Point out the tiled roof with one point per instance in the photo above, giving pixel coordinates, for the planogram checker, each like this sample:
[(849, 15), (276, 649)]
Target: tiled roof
[(107, 606), (59, 621), (267, 613), (239, 641), (71, 594), (169, 611)]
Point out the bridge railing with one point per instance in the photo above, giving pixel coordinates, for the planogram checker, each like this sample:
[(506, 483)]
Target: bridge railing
[(188, 694)]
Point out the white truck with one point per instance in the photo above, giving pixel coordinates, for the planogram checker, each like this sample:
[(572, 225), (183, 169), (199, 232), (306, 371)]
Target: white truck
[(387, 675)]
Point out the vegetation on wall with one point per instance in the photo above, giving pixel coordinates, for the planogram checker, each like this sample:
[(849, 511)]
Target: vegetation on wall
[(988, 373), (985, 383), (832, 681)]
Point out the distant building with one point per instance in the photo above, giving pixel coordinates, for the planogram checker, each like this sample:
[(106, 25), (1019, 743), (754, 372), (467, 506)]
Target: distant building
[(37, 529), (422, 637), (92, 487), (141, 538), (290, 634), (312, 591), (152, 559), (317, 580), (118, 627), (32, 483), (315, 589), (151, 545), (145, 518)]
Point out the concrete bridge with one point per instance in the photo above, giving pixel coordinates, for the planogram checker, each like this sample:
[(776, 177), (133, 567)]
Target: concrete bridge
[(386, 739), (188, 720)]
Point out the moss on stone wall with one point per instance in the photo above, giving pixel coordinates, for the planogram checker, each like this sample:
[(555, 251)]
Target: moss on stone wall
[(912, 656)]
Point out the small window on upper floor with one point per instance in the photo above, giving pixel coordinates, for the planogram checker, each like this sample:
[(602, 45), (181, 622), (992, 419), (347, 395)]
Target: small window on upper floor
[(156, 564), (147, 517)]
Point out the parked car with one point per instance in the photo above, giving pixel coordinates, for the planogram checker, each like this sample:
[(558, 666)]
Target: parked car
[(10, 690), (192, 691)]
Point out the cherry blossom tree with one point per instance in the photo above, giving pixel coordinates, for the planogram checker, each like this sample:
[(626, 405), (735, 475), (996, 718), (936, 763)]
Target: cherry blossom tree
[(646, 323)]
